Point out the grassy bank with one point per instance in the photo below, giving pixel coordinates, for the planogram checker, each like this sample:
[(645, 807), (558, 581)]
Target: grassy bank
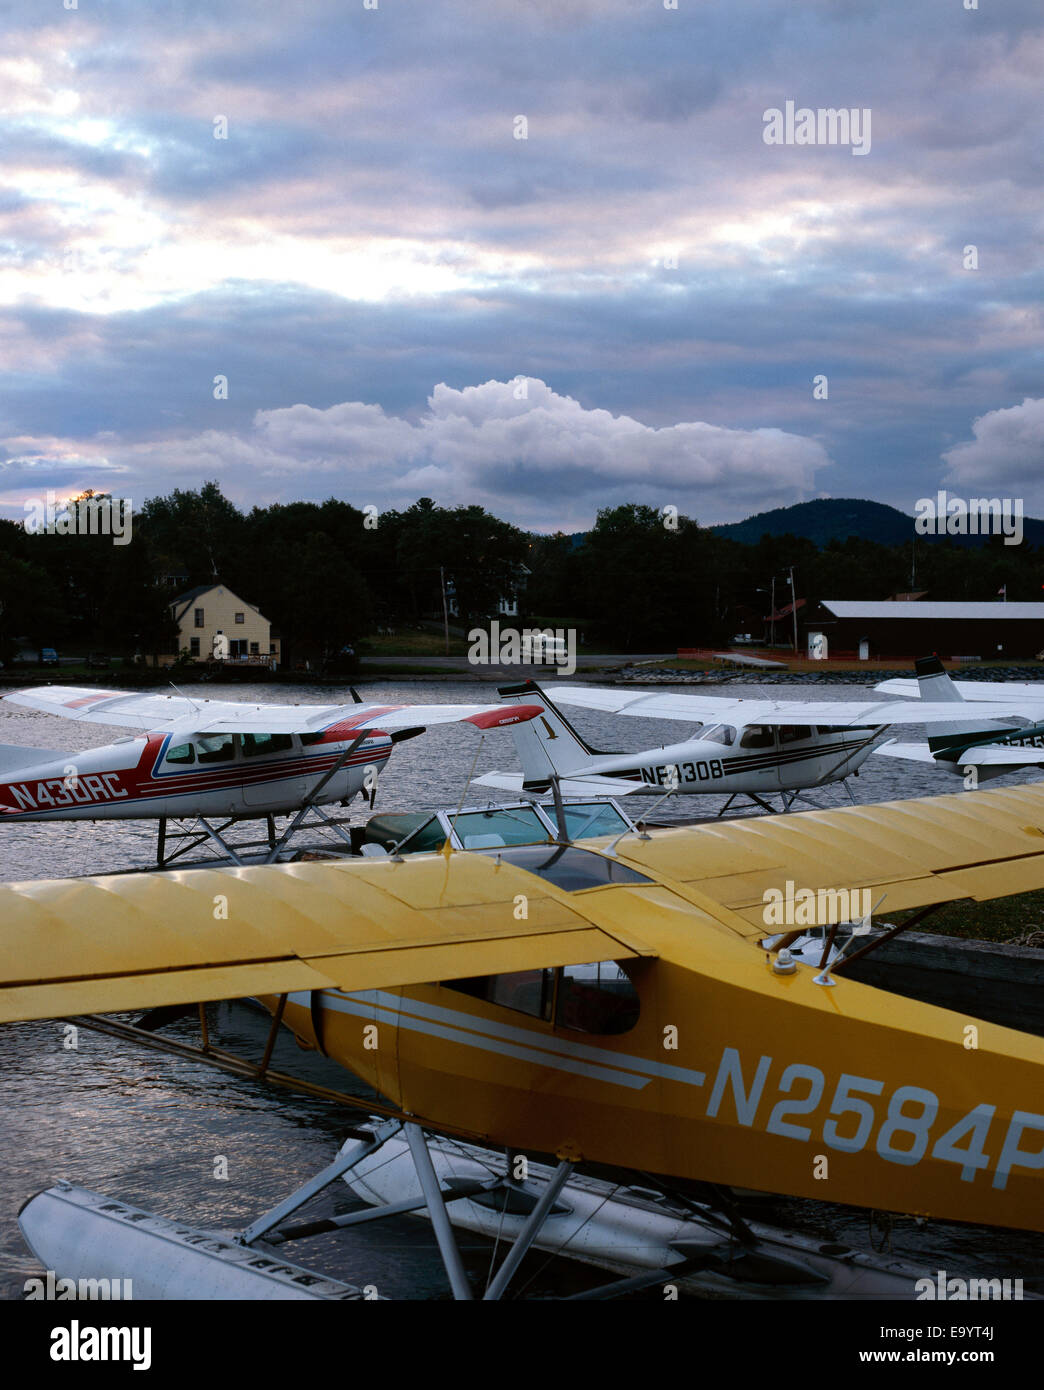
[(1010, 920)]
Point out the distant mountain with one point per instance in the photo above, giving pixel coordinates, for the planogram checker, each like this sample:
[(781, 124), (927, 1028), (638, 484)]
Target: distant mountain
[(837, 518)]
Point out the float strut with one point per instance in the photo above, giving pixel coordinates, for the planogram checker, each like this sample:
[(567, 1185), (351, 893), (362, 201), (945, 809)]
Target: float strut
[(340, 1165), (310, 799), (529, 1231), (437, 1211)]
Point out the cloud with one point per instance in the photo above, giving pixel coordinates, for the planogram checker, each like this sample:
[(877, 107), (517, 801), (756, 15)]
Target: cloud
[(1007, 453), (523, 450)]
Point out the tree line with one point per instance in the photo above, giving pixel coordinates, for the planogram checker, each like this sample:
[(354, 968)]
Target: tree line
[(327, 574)]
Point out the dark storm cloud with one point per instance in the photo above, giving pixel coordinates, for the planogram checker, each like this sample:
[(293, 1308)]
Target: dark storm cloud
[(350, 127)]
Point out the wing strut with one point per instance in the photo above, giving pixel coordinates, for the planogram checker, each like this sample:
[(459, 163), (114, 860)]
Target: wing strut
[(309, 802)]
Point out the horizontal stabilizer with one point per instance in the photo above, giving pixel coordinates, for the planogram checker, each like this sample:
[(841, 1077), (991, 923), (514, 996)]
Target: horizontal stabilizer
[(991, 755), (13, 757), (570, 786), (988, 755), (915, 752)]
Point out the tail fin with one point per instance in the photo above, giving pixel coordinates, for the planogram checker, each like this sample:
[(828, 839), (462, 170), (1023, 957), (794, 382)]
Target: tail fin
[(935, 684), (547, 746)]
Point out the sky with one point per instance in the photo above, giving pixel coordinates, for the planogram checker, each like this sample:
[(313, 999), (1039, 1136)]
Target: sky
[(535, 255)]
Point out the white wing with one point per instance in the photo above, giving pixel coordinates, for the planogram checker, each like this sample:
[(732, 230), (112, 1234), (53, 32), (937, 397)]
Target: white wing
[(756, 710), (181, 714), (1024, 694)]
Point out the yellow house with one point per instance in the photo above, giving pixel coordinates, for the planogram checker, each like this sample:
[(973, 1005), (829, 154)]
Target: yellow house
[(214, 624)]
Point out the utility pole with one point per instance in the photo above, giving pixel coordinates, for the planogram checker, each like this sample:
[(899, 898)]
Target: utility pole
[(793, 608), (772, 639), (445, 607)]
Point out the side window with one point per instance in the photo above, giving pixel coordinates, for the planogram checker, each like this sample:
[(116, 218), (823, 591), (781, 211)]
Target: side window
[(181, 753), (255, 744), (216, 748), (527, 991), (596, 998), (308, 739), (198, 617), (795, 733), (757, 736)]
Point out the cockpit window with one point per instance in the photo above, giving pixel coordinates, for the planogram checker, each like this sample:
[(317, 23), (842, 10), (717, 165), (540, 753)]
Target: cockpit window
[(757, 736), (181, 753), (719, 733), (794, 733), (588, 822), (496, 827), (216, 748), (255, 744), (567, 867), (596, 998)]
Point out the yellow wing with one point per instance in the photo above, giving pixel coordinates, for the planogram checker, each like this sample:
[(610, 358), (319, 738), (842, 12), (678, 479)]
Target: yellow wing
[(131, 941), (976, 845)]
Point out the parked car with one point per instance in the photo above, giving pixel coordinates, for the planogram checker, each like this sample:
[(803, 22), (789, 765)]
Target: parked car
[(48, 656), (98, 661)]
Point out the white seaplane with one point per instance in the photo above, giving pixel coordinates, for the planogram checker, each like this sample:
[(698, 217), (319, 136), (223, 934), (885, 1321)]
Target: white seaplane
[(195, 759), (972, 746), (755, 747)]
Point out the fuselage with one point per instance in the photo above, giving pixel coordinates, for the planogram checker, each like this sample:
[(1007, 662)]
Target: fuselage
[(751, 758), (700, 1060), (218, 774)]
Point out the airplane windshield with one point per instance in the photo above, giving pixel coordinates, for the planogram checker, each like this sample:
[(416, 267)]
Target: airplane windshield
[(718, 733), (568, 867), (587, 822), (487, 829)]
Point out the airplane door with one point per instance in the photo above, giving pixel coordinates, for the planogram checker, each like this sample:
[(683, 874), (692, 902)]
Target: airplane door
[(760, 744), (263, 758)]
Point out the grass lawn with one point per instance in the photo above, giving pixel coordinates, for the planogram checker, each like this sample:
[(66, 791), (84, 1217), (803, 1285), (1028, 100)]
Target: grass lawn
[(1000, 919), (411, 642)]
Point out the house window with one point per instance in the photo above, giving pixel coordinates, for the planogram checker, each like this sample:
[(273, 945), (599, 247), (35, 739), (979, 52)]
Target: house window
[(255, 649), (193, 646), (199, 617), (240, 617), (271, 649)]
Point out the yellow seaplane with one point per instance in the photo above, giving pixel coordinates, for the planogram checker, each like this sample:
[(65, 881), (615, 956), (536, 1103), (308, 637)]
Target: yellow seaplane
[(632, 1000)]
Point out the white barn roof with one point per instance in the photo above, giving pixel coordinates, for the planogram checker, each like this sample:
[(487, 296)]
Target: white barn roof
[(994, 611)]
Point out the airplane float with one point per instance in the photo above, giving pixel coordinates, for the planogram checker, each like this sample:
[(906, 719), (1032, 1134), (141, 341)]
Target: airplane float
[(214, 758), (755, 747), (976, 748), (632, 1012)]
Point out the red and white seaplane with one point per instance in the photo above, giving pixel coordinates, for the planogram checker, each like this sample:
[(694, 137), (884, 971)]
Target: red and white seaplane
[(194, 759)]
